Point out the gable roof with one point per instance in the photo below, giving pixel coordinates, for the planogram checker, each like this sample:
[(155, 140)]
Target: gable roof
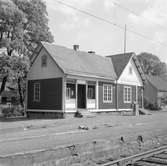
[(120, 61), (80, 62), (157, 82)]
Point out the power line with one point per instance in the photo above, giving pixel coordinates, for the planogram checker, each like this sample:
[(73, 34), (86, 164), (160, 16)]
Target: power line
[(109, 22), (136, 14)]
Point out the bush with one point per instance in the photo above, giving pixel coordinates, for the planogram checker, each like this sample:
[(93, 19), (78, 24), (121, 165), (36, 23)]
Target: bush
[(151, 106), (13, 111), (78, 115)]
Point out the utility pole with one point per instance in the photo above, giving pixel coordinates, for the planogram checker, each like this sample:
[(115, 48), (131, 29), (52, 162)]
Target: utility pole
[(125, 40)]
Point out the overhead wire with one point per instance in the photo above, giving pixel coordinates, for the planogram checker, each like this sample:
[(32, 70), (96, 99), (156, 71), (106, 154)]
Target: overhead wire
[(109, 22), (136, 14)]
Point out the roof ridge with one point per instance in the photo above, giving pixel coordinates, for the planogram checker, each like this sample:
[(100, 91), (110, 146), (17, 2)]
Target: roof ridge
[(122, 54), (84, 63), (79, 51)]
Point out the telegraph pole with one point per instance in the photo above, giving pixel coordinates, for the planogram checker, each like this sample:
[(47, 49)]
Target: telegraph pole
[(125, 40)]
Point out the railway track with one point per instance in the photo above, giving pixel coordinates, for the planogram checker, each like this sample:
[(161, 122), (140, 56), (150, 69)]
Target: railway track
[(154, 157)]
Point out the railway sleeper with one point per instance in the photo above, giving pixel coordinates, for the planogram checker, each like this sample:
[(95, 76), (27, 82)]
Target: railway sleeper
[(155, 160), (161, 155), (143, 163), (103, 160)]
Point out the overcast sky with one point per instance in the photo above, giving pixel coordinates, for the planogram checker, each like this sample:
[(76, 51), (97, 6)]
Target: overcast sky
[(72, 27)]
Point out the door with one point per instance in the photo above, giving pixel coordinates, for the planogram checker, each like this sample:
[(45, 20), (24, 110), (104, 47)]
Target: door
[(81, 98)]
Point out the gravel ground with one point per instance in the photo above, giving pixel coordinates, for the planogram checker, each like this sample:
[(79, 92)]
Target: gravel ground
[(31, 135)]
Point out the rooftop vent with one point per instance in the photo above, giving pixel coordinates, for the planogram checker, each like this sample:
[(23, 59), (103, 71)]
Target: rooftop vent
[(76, 47), (91, 52)]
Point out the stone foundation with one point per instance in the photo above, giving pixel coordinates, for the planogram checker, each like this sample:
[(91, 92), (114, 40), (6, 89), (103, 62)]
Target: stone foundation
[(45, 115)]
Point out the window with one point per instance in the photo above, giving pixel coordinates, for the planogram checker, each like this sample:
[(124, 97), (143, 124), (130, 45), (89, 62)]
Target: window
[(107, 93), (44, 61), (91, 91), (70, 91), (36, 92), (130, 70), (127, 94)]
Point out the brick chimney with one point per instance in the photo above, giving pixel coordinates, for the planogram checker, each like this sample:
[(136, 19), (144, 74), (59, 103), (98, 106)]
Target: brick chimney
[(91, 52), (76, 47)]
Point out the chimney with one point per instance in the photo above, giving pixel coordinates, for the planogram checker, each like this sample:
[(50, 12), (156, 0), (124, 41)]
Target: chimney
[(91, 52), (76, 47)]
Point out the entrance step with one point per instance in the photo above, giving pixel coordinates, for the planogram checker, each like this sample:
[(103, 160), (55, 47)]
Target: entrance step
[(143, 111), (86, 113)]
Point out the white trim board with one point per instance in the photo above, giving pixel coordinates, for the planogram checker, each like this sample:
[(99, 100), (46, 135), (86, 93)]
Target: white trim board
[(102, 110), (125, 109), (74, 110)]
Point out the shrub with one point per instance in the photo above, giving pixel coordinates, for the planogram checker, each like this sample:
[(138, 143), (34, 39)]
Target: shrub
[(7, 112), (13, 111), (78, 115), (151, 106)]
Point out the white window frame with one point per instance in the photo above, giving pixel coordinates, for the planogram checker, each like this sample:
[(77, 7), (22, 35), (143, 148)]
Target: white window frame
[(127, 96), (107, 93), (36, 99)]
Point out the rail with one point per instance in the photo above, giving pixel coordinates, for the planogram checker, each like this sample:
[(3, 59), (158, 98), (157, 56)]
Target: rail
[(137, 157)]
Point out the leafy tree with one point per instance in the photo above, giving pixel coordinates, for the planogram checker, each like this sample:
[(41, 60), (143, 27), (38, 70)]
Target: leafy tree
[(19, 67), (151, 64), (23, 24), (16, 69)]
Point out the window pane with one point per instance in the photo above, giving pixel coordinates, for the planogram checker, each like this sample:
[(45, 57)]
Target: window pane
[(127, 94), (36, 92), (70, 91), (107, 93), (91, 91)]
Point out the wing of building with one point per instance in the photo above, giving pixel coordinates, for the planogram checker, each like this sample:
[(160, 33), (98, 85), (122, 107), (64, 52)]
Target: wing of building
[(155, 91), (63, 81)]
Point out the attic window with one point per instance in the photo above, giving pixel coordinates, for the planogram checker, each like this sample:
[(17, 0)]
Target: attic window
[(130, 70), (44, 61)]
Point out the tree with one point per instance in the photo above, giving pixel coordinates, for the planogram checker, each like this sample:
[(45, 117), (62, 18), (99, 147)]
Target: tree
[(23, 24), (19, 67), (16, 69), (151, 64)]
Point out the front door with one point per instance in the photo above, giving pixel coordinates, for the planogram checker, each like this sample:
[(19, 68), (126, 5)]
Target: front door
[(81, 97)]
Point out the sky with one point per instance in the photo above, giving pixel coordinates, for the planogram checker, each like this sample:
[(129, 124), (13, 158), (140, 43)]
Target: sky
[(145, 17)]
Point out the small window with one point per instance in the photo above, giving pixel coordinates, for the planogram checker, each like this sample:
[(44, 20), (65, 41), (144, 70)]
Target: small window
[(127, 94), (44, 61), (130, 70), (36, 92), (91, 91), (107, 93), (70, 91)]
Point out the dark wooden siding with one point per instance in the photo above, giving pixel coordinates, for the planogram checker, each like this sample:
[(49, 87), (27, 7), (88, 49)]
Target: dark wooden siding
[(50, 94), (103, 105), (121, 104), (140, 97), (150, 93)]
